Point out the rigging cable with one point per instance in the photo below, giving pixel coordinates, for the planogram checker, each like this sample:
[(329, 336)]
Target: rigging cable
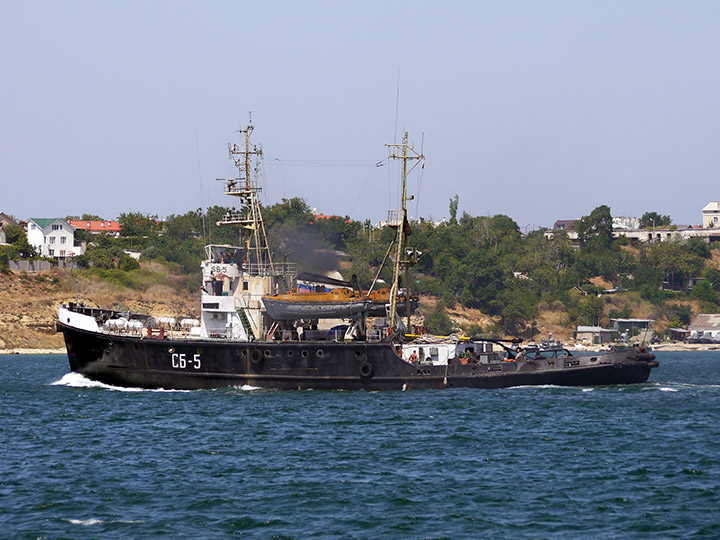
[(323, 162), (378, 164), (417, 198), (202, 204)]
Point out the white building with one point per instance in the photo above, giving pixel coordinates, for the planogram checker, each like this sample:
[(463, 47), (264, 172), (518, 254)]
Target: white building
[(622, 222), (52, 237), (705, 328), (711, 215)]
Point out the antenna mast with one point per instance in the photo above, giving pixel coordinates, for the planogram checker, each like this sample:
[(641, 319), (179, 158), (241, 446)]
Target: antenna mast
[(398, 219), (245, 186)]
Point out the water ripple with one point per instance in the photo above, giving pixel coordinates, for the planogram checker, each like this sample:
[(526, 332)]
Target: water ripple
[(85, 460)]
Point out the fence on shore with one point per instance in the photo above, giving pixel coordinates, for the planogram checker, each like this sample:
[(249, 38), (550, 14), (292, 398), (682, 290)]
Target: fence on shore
[(38, 266)]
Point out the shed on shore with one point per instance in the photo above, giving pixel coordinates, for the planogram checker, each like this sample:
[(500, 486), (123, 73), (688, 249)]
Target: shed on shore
[(705, 328)]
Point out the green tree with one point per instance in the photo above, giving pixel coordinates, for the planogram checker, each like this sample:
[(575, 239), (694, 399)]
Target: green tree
[(180, 227), (712, 275), (438, 321), (127, 263), (596, 230), (85, 217), (16, 237), (699, 248), (704, 291), (592, 309), (517, 306), (454, 209), (337, 231), (137, 224), (674, 261), (653, 219), (681, 315)]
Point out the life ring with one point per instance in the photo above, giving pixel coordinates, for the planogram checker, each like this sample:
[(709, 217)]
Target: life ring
[(255, 356), (366, 369)]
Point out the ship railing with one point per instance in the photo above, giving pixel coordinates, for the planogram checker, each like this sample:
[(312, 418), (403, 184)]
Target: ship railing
[(395, 218), (233, 217), (143, 333), (240, 186), (266, 269)]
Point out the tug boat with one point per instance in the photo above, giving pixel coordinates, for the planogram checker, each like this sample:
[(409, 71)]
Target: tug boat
[(255, 331)]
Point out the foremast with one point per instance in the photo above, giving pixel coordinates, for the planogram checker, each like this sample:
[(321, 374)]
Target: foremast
[(249, 218), (236, 278), (404, 258)]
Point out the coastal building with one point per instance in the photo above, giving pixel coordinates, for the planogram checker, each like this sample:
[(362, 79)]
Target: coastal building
[(110, 227), (622, 325), (629, 227), (705, 328), (564, 225), (594, 334), (621, 222), (5, 220), (318, 215), (678, 334), (53, 237), (711, 215), (670, 233)]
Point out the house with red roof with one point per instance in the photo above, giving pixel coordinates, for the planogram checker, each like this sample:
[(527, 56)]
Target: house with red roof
[(109, 227)]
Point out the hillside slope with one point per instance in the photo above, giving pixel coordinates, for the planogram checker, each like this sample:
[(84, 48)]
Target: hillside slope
[(29, 304)]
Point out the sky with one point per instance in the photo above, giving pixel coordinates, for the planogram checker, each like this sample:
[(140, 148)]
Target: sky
[(537, 110)]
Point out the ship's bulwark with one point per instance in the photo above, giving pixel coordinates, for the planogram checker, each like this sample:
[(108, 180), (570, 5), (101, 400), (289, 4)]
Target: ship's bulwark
[(204, 364)]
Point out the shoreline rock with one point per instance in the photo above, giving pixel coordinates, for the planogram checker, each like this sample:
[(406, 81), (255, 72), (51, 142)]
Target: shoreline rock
[(21, 350)]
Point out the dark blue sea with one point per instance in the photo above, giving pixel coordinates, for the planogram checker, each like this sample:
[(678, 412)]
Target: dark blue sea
[(80, 460)]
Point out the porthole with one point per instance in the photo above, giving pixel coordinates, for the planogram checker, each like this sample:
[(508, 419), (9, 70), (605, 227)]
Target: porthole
[(319, 352), (358, 353), (289, 353), (244, 352), (171, 350), (304, 354), (267, 353)]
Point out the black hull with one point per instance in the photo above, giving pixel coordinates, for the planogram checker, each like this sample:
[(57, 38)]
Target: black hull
[(205, 364)]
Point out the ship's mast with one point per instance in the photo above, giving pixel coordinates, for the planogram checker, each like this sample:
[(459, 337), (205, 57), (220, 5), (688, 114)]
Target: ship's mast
[(245, 186), (398, 219)]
